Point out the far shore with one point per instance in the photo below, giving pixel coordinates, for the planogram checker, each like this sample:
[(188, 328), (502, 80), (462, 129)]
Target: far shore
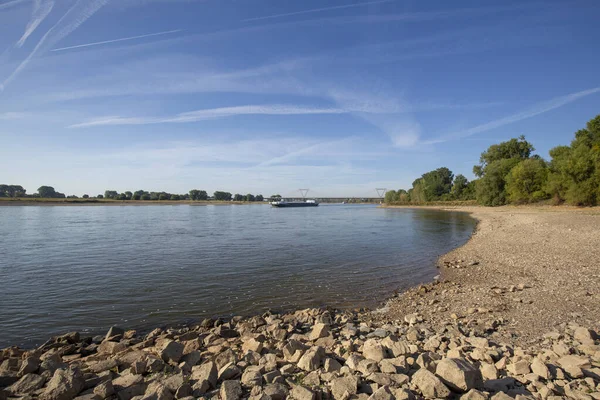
[(105, 202)]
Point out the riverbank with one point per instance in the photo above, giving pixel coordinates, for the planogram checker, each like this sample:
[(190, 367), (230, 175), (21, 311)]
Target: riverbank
[(528, 278), (536, 267)]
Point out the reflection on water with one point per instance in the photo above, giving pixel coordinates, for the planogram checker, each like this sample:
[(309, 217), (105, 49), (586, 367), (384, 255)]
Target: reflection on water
[(86, 268)]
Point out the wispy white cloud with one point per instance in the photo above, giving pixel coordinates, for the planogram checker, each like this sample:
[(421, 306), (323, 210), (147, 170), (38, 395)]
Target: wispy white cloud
[(12, 3), (213, 113), (118, 40), (80, 12), (317, 10), (536, 109), (41, 9)]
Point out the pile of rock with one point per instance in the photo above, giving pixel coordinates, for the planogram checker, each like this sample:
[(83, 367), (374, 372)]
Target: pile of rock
[(306, 355)]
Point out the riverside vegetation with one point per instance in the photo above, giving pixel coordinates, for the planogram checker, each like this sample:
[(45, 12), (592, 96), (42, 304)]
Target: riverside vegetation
[(509, 172)]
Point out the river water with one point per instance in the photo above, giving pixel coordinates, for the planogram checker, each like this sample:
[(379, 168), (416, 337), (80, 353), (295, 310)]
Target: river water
[(85, 268)]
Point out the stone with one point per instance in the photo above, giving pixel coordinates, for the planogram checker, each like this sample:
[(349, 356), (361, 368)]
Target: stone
[(114, 334), (191, 358), (158, 391), (342, 388), (183, 391), (584, 335), (105, 390), (386, 366), (331, 365), (311, 360), (403, 394), (64, 385), (520, 367), (501, 396), (302, 393), (171, 351), (103, 365), (319, 331), (109, 347), (27, 384), (488, 371), (383, 393), (373, 350), (429, 384), (291, 347), (474, 394), (252, 377), (540, 369), (230, 390), (229, 372), (7, 378), (273, 377), (224, 358), (459, 374), (206, 372), (268, 362), (574, 361), (200, 387), (29, 366), (252, 345), (276, 391)]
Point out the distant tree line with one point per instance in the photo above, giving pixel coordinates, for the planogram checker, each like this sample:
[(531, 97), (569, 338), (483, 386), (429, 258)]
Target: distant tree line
[(48, 192), (509, 172)]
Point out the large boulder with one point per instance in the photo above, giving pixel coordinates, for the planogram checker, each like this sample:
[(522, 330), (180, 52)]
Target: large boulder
[(342, 388), (319, 331), (171, 351), (430, 385), (64, 385), (27, 384), (459, 374), (231, 390), (383, 393), (311, 360), (302, 393), (373, 350), (206, 372)]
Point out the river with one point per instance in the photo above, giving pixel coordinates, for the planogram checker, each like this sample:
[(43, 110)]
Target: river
[(85, 268)]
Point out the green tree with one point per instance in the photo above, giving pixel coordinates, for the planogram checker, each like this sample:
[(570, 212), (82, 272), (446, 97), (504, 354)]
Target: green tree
[(260, 197), (163, 196), (494, 165), (238, 197), (46, 192), (100, 196), (490, 189), (12, 191), (391, 196), (514, 148), (222, 196), (275, 197), (249, 197), (111, 194), (128, 195), (525, 182), (459, 186), (145, 196), (175, 197), (574, 174), (86, 196), (436, 183)]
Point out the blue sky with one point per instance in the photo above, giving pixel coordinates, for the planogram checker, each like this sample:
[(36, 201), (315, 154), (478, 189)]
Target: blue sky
[(268, 96)]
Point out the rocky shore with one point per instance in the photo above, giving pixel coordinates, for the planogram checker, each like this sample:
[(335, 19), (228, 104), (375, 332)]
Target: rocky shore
[(463, 336)]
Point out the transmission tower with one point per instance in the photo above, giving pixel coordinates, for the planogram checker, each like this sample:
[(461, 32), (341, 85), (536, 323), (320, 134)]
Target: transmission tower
[(303, 193)]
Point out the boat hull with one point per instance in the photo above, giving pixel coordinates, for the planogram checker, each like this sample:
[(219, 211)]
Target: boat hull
[(289, 205)]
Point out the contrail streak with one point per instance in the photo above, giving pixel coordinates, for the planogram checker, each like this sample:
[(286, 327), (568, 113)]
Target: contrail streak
[(12, 3), (117, 40), (537, 109), (41, 9), (315, 10), (80, 12)]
